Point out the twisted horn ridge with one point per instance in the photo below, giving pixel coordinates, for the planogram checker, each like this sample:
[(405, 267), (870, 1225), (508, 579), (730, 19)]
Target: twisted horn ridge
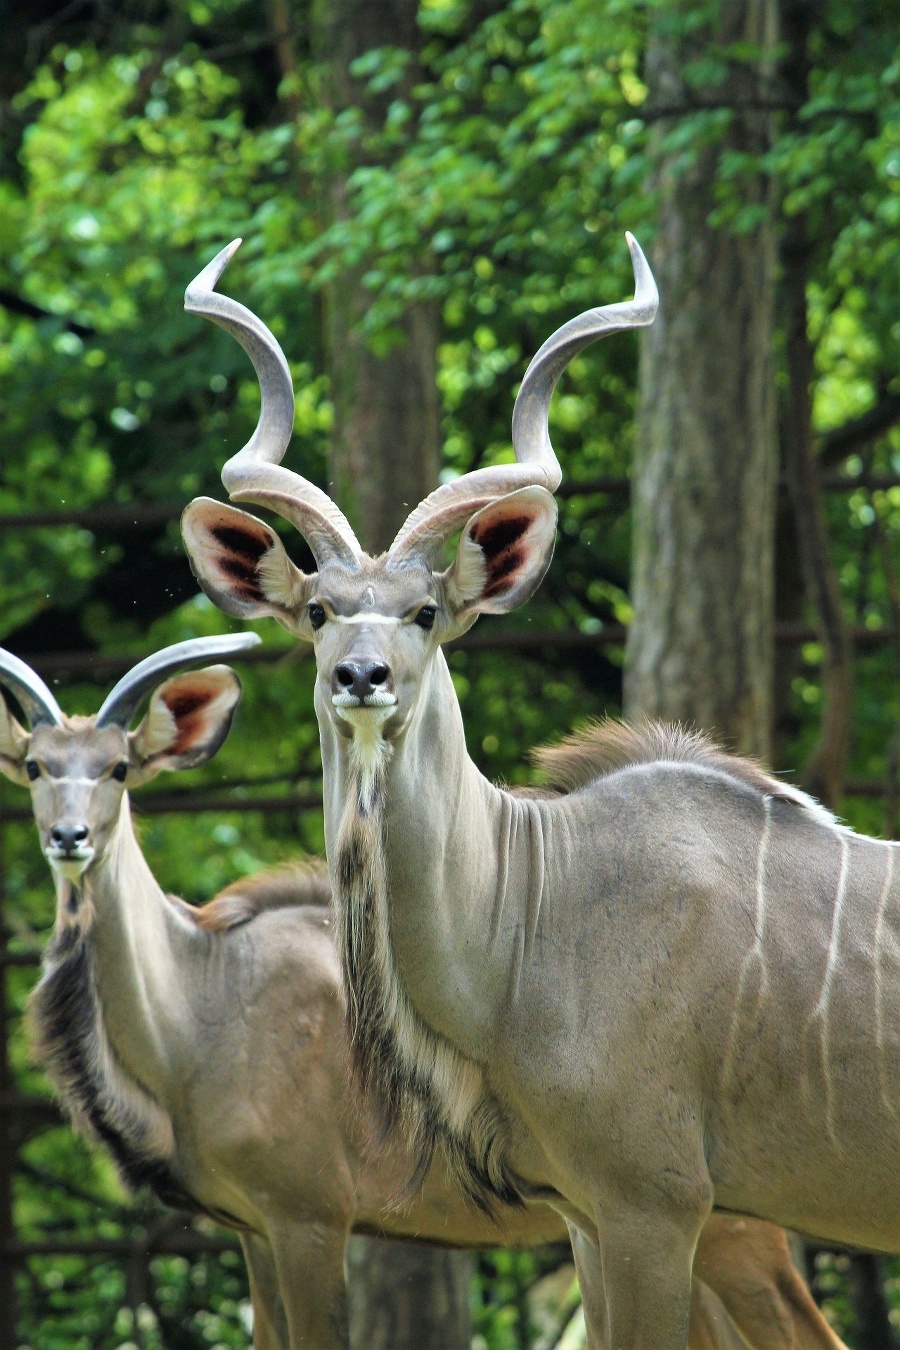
[(123, 701), (451, 505), (255, 473), (36, 700)]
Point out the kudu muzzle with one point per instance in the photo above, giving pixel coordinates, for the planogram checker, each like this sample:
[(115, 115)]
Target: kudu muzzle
[(362, 683), (68, 844)]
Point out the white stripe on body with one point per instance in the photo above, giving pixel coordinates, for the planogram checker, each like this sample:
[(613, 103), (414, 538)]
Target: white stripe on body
[(879, 992), (755, 957), (821, 1010)]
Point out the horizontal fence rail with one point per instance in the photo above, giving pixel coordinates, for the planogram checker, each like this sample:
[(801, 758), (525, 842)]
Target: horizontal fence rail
[(190, 1243), (135, 515), (88, 666)]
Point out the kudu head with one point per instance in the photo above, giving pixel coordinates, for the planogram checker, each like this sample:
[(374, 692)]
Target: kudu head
[(377, 622), (78, 768)]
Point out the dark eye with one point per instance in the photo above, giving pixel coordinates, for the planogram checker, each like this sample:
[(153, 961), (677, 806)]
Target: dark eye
[(426, 617), (317, 615), (32, 768), (120, 772)]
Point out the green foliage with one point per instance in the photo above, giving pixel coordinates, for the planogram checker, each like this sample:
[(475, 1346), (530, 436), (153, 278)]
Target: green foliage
[(498, 185)]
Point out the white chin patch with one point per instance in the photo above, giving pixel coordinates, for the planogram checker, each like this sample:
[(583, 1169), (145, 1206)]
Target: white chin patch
[(348, 702), (368, 749), (70, 868)]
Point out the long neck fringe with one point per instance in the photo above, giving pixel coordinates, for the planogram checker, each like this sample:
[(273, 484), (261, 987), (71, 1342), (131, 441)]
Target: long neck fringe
[(419, 1083)]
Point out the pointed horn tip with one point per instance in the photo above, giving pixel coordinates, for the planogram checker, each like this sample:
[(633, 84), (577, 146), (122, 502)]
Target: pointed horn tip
[(645, 290), (207, 279), (245, 641)]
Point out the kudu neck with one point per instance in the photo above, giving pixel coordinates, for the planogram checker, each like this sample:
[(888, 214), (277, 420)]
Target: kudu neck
[(139, 944), (445, 863)]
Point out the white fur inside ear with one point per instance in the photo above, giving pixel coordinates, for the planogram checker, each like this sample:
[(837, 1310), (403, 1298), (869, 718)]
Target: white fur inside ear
[(13, 738), (279, 579), (468, 574), (159, 730)]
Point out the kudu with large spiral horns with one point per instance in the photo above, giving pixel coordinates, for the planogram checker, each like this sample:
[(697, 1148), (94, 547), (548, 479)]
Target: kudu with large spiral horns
[(672, 987)]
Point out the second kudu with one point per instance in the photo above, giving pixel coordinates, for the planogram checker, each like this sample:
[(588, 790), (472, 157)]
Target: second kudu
[(208, 1048), (671, 989)]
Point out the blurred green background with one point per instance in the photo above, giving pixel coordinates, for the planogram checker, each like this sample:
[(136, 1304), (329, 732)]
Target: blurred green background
[(135, 140)]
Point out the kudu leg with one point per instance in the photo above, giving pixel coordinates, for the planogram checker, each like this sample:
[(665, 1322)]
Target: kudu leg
[(309, 1261), (270, 1328), (748, 1265), (710, 1326), (636, 1282)]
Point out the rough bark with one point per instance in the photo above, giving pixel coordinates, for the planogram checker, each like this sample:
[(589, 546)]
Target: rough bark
[(700, 646), (826, 769), (384, 456), (407, 1296), (385, 443), (825, 772)]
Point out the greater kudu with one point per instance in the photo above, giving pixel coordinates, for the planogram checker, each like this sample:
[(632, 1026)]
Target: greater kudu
[(668, 990), (208, 1048)]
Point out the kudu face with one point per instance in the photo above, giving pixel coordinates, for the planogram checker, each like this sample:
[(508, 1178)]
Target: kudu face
[(376, 626), (78, 768), (376, 623), (77, 774)]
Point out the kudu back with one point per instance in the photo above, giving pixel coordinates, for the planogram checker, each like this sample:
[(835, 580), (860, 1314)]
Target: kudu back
[(207, 1048), (671, 989)]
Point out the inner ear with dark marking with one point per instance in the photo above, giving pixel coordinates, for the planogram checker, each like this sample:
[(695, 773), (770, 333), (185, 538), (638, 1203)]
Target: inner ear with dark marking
[(498, 541), (239, 553), (187, 720), (503, 552), (241, 563)]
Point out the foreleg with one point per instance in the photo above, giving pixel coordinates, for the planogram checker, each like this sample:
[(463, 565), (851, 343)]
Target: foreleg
[(748, 1264), (309, 1263), (636, 1280), (270, 1329)]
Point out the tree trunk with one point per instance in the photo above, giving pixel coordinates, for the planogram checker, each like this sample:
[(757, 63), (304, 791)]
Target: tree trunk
[(700, 645), (384, 457), (385, 443), (403, 1296), (824, 774)]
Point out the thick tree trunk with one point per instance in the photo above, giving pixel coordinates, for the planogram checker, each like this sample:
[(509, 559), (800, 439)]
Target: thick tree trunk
[(824, 775), (700, 646), (384, 457), (385, 444), (404, 1296)]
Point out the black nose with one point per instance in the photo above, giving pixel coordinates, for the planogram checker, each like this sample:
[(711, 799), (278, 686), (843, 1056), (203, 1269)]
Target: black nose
[(361, 678), (68, 837)]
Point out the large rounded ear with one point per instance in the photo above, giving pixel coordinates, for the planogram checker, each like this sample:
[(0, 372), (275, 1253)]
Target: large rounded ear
[(13, 746), (242, 565), (188, 719), (503, 553)]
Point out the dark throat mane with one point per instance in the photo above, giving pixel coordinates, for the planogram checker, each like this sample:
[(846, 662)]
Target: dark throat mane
[(70, 1041), (418, 1082)]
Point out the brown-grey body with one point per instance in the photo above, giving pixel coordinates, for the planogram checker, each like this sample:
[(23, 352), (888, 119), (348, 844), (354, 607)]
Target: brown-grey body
[(573, 995), (208, 1048)]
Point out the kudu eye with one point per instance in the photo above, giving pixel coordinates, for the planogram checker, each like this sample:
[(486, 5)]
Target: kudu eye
[(33, 769), (317, 615), (426, 617), (120, 772)]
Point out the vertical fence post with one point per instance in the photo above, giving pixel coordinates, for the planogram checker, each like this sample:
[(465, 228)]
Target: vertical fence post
[(8, 1338)]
